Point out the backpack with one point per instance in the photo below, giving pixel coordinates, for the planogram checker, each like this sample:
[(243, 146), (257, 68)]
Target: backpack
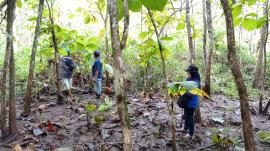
[(183, 100)]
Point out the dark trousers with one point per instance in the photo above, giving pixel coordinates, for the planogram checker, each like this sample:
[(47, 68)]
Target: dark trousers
[(189, 120)]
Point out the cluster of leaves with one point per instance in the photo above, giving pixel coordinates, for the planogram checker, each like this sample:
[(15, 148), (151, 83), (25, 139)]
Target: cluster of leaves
[(248, 20), (179, 88), (264, 136), (225, 137), (106, 105)]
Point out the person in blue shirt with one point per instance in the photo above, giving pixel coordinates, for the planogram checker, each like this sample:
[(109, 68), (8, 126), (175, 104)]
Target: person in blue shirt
[(97, 71), (193, 103)]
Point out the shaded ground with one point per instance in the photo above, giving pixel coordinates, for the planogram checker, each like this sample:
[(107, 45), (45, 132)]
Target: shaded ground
[(149, 125)]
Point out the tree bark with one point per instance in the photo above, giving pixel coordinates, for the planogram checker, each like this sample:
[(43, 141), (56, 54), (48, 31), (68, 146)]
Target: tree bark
[(189, 32), (204, 33), (170, 106), (207, 82), (259, 67), (28, 92), (12, 89), (238, 77), (119, 80), (60, 97), (3, 87), (105, 21)]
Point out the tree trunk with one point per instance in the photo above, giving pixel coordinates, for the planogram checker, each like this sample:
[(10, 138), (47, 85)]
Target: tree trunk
[(3, 87), (12, 93), (204, 33), (119, 80), (207, 82), (28, 92), (259, 67), (238, 77), (170, 106), (105, 21), (60, 97), (189, 32)]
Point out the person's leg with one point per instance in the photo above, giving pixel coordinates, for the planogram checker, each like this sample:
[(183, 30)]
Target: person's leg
[(98, 88), (186, 119), (191, 121)]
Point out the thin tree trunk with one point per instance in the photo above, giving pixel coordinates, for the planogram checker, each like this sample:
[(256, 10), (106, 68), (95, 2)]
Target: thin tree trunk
[(60, 97), (28, 92), (119, 80), (266, 107), (189, 32), (3, 87), (207, 82), (171, 107), (105, 21), (238, 77), (12, 93), (259, 67), (204, 34), (266, 9)]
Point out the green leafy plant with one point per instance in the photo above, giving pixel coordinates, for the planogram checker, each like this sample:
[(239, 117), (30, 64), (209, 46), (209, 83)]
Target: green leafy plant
[(225, 137), (106, 105), (264, 136), (179, 88)]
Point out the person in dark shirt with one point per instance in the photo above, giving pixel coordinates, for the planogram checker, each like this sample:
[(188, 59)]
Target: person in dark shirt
[(193, 103), (97, 71), (66, 70)]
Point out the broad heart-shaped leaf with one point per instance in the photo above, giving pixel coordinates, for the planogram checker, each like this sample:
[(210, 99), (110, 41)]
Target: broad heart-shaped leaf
[(154, 4), (181, 26), (249, 23), (19, 3), (134, 5), (86, 19), (108, 68), (236, 10), (261, 22)]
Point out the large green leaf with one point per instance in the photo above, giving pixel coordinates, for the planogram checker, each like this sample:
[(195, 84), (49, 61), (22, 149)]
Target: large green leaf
[(19, 3), (134, 5), (154, 4), (166, 38), (249, 23), (236, 10), (181, 26), (261, 22)]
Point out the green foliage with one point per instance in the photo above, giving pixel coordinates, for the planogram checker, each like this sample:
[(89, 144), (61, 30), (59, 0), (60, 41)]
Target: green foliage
[(264, 136), (225, 137), (179, 88), (106, 105), (154, 4), (19, 3), (90, 107), (99, 119)]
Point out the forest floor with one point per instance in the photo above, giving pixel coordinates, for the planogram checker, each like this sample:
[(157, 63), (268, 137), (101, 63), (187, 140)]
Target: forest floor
[(149, 125)]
